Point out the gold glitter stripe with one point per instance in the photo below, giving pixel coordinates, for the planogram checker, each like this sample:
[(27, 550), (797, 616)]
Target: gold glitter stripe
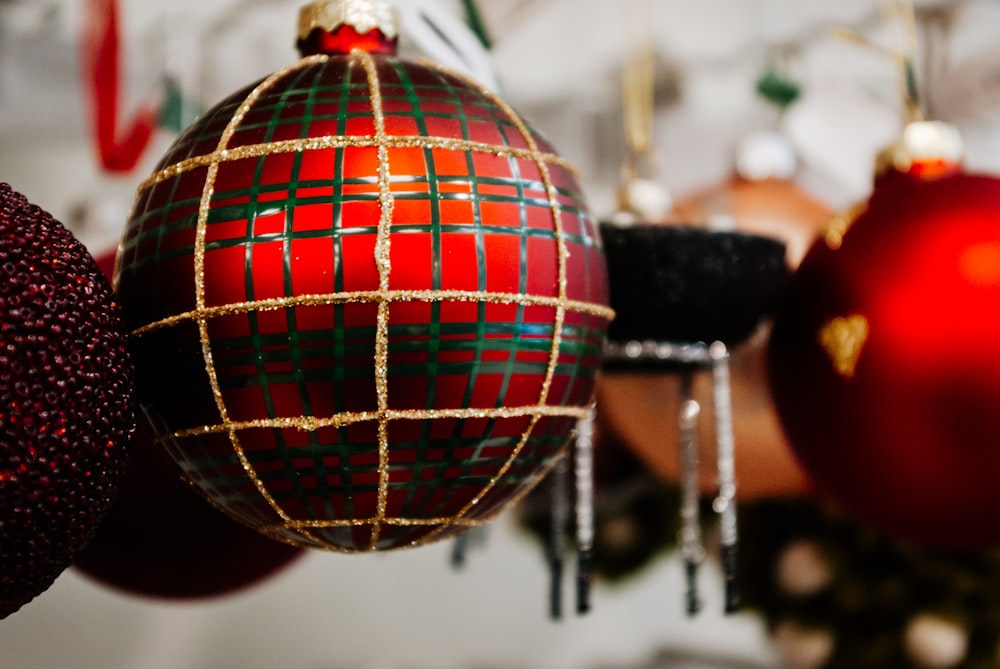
[(199, 278), (396, 522), (341, 142), (360, 297), (309, 423), (279, 532), (383, 263)]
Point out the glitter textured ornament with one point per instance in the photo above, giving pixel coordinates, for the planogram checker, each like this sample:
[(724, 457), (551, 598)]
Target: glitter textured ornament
[(65, 399), (682, 283), (885, 365), (368, 302)]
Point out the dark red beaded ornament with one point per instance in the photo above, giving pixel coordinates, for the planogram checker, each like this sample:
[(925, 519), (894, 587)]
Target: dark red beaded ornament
[(65, 399)]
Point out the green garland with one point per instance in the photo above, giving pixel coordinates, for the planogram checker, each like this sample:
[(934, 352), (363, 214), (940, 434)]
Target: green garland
[(778, 89), (474, 19)]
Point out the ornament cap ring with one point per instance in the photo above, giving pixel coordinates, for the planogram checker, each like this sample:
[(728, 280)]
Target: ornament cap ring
[(927, 148), (362, 16)]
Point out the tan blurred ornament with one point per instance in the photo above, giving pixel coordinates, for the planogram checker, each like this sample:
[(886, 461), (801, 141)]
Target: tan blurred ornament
[(759, 200)]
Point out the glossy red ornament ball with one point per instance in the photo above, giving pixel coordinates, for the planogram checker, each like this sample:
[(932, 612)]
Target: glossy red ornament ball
[(66, 399), (161, 539), (885, 361), (368, 303)]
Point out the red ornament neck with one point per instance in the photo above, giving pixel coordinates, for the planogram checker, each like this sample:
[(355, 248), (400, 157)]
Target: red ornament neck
[(344, 40)]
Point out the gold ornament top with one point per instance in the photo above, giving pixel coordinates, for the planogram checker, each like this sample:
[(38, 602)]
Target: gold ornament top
[(923, 143), (362, 15)]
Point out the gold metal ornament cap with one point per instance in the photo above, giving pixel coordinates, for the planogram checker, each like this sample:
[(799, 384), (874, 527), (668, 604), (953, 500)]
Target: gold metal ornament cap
[(922, 143), (361, 15)]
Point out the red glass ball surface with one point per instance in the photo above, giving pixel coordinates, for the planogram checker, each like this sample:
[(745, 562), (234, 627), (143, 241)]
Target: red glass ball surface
[(885, 362), (368, 303)]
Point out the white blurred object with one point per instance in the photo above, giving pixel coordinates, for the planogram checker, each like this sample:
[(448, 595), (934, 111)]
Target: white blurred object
[(803, 648), (837, 131), (765, 155), (647, 199), (99, 218), (257, 37), (447, 39), (802, 570), (934, 642)]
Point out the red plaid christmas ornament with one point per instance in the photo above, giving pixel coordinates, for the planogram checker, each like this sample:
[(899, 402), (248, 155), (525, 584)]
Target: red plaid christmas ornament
[(367, 301)]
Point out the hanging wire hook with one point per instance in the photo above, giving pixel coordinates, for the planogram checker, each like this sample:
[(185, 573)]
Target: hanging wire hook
[(902, 15), (640, 194), (638, 80)]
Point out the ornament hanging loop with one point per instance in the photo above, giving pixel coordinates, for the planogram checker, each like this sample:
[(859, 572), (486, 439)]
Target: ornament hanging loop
[(640, 195), (926, 148), (637, 96), (900, 13)]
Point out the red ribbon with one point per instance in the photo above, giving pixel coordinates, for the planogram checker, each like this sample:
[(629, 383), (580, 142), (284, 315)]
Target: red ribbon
[(119, 150)]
